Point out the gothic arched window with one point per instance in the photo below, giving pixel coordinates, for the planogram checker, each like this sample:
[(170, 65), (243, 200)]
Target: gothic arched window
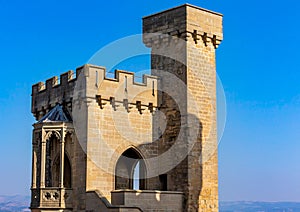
[(130, 171)]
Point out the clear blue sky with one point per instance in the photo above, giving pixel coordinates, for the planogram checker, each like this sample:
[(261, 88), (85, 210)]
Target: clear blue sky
[(258, 63)]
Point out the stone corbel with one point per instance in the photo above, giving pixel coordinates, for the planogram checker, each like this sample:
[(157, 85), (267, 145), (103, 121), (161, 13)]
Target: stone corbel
[(205, 38), (215, 41), (126, 105), (182, 35), (100, 101), (195, 36), (150, 107), (113, 103), (139, 106), (178, 33)]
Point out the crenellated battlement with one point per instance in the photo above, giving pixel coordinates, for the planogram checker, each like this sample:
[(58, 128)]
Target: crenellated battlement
[(64, 79), (92, 80), (68, 77), (122, 90), (45, 95)]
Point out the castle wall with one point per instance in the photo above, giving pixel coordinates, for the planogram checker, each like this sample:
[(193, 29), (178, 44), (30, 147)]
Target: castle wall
[(169, 119), (118, 117), (109, 116)]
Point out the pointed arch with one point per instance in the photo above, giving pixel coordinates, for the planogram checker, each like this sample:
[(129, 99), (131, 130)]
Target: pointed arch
[(52, 133), (67, 172), (130, 171), (55, 172), (52, 152)]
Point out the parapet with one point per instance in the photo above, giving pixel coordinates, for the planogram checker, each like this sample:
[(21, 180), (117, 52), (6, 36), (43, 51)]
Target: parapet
[(53, 82), (92, 79), (187, 22), (122, 89), (45, 95)]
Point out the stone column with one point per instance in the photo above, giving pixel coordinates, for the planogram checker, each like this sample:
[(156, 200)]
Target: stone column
[(43, 164), (34, 167), (62, 158)]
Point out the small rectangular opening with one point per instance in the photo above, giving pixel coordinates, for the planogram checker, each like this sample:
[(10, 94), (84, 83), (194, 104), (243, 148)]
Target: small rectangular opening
[(163, 179)]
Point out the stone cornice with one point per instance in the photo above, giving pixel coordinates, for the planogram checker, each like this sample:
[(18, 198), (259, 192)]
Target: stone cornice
[(157, 39)]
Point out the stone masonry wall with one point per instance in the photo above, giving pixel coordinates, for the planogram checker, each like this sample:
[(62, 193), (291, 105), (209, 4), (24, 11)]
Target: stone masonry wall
[(119, 116), (149, 201), (109, 116), (183, 42)]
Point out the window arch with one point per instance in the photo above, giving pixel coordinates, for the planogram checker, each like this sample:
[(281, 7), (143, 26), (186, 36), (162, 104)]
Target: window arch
[(52, 160), (67, 172), (130, 171), (55, 172)]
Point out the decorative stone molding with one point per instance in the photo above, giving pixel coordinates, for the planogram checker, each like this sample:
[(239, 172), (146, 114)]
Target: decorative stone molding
[(50, 133), (55, 198)]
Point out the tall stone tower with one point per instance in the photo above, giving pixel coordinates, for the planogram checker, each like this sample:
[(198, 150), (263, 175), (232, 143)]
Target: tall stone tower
[(114, 144), (183, 42)]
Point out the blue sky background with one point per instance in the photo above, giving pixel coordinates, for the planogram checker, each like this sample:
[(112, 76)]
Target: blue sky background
[(258, 63)]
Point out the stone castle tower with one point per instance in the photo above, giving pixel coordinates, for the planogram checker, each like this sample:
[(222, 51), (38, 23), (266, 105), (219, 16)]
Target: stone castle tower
[(114, 144)]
